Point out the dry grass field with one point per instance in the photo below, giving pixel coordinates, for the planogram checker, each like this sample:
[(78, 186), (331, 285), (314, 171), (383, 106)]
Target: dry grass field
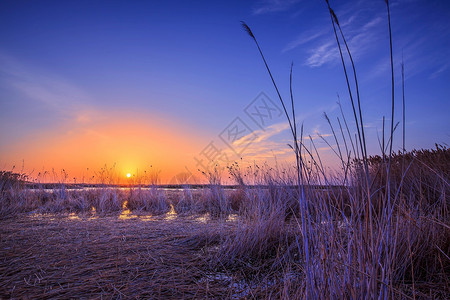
[(243, 243)]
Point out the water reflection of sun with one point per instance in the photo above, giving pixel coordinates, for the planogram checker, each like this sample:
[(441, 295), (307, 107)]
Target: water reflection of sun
[(126, 213)]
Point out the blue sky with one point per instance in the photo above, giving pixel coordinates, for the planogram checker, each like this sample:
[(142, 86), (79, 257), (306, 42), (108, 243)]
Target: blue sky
[(72, 68)]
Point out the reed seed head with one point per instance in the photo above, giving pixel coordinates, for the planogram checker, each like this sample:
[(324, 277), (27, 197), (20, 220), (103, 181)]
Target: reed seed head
[(334, 16), (247, 29)]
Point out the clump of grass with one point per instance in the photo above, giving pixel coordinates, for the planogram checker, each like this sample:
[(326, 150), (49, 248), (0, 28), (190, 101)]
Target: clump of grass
[(82, 201), (151, 200), (108, 200), (214, 198), (189, 202), (418, 176), (262, 231), (12, 193), (237, 199), (236, 173), (11, 180), (216, 202)]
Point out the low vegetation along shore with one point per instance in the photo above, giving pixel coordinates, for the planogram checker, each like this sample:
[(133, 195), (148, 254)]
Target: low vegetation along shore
[(231, 243)]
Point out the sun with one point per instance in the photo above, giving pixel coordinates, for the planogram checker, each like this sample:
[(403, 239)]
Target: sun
[(128, 175)]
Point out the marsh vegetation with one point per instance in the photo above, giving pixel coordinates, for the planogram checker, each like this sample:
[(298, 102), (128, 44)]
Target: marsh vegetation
[(236, 243)]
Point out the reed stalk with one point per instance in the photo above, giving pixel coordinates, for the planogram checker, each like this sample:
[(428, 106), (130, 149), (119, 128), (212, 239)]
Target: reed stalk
[(303, 207)]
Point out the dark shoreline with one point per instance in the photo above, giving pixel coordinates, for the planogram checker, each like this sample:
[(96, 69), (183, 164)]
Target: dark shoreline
[(159, 186)]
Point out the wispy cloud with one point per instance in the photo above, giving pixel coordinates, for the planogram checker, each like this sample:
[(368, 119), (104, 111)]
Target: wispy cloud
[(61, 97), (270, 6), (365, 28), (322, 54), (269, 142), (361, 28), (440, 70), (305, 38), (274, 141), (360, 41)]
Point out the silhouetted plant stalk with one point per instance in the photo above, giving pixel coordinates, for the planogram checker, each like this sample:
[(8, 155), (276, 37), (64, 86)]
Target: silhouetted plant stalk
[(359, 123), (403, 102), (362, 144), (339, 153), (392, 80), (404, 125), (305, 219), (380, 254), (346, 126), (388, 235)]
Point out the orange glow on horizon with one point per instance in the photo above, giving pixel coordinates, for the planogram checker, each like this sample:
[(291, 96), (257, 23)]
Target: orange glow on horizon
[(122, 148), (138, 147)]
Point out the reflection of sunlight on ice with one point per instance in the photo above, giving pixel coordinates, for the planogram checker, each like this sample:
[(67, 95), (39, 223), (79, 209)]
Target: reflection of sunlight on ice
[(203, 218), (126, 213), (232, 218), (41, 216), (145, 218), (35, 216), (93, 214), (73, 216), (171, 214)]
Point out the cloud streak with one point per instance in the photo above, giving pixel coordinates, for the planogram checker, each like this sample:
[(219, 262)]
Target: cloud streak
[(271, 6), (48, 91), (361, 28)]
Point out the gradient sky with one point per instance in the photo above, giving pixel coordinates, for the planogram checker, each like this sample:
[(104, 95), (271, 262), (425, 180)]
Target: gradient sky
[(162, 83)]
